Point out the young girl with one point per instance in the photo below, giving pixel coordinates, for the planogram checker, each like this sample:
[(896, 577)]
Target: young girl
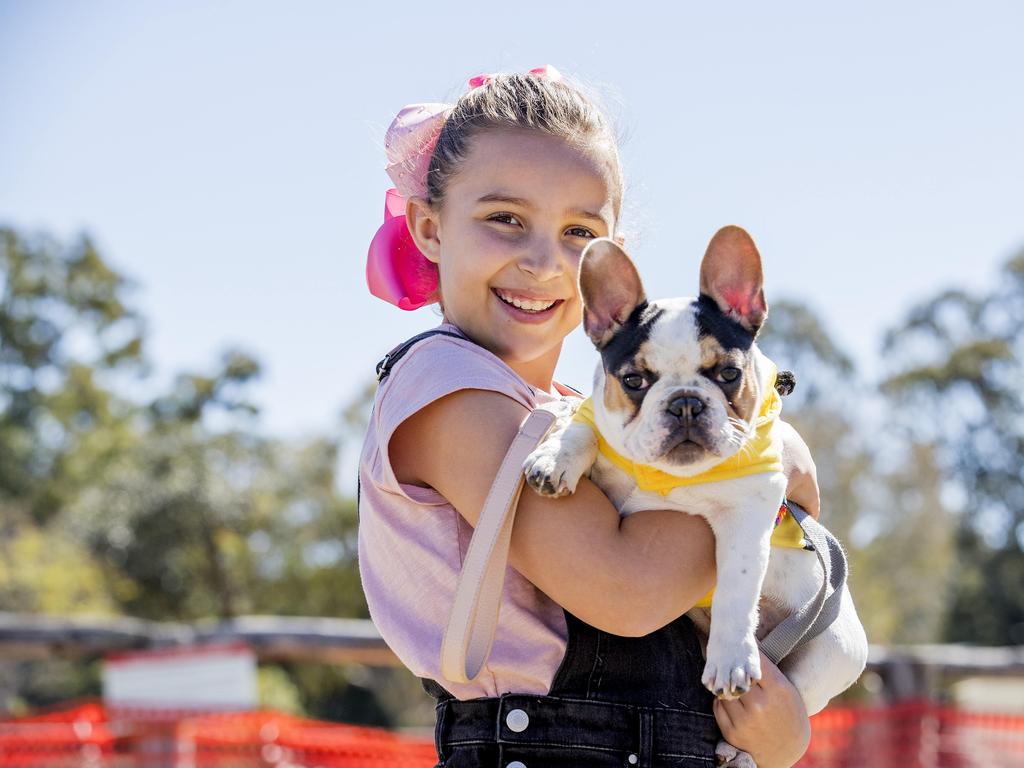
[(593, 663)]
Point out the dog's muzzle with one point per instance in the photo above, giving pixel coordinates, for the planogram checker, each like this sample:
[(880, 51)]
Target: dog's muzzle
[(687, 420), (686, 408)]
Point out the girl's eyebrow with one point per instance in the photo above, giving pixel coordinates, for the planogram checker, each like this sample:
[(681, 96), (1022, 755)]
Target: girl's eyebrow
[(498, 197), (584, 214)]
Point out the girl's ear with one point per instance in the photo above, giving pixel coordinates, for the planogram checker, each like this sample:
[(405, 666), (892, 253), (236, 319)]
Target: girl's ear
[(424, 227)]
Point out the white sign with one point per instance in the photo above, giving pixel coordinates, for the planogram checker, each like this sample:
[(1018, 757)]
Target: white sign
[(202, 677)]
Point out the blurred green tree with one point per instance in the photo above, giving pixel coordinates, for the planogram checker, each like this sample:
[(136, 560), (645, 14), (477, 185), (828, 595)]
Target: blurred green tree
[(876, 495), (173, 507), (956, 364), (63, 326)]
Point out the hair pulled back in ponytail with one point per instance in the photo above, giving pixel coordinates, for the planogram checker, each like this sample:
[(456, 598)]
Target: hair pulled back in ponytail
[(520, 101)]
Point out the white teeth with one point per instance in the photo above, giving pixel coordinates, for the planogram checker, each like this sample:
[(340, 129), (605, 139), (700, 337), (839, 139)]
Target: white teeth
[(530, 306)]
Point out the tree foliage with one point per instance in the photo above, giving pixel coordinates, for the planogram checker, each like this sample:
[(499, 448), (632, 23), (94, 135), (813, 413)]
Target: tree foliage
[(876, 502), (956, 366), (169, 507)]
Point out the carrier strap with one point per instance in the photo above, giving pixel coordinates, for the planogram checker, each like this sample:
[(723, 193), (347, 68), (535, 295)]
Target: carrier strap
[(811, 619), (474, 616)]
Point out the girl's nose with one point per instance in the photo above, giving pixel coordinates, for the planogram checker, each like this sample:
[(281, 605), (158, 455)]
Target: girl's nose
[(543, 262)]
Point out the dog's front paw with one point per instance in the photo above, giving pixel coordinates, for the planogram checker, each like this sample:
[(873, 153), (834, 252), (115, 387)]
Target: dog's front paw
[(547, 473), (550, 473), (730, 757), (731, 670), (566, 454)]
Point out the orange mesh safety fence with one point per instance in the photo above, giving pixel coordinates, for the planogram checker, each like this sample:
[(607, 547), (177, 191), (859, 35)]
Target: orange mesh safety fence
[(75, 736), (915, 734), (221, 740)]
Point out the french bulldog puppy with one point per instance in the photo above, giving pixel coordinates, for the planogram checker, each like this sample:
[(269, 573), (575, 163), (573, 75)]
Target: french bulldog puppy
[(681, 391)]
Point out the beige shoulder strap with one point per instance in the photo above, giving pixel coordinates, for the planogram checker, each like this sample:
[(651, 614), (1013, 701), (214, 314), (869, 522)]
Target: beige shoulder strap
[(474, 617)]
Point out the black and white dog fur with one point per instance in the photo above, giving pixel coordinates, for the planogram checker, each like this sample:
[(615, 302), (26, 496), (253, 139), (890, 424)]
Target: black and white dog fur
[(679, 388)]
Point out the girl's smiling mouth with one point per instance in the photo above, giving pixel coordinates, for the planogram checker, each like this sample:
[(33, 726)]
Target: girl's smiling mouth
[(524, 302), (524, 306)]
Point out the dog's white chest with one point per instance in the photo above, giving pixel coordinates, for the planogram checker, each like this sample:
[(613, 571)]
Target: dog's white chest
[(792, 574)]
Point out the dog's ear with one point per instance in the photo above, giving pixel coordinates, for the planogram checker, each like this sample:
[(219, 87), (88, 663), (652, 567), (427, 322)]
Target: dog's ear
[(731, 275), (610, 287)]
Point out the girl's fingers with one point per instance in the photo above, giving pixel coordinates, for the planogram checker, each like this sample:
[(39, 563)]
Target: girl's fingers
[(739, 712), (736, 707), (723, 716)]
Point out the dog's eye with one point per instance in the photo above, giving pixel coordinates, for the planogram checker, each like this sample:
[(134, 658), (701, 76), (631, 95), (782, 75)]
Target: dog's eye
[(634, 381), (729, 375)]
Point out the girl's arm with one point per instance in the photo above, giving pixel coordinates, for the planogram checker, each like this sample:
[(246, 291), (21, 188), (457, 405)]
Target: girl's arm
[(628, 576)]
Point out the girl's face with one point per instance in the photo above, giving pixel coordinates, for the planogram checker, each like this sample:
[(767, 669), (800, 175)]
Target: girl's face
[(515, 219)]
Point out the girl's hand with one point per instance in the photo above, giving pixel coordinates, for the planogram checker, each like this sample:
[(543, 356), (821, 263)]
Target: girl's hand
[(800, 470), (769, 721)]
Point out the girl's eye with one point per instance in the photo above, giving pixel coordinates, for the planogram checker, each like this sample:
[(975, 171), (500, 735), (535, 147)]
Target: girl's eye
[(581, 232), (503, 218), (729, 375), (634, 381)]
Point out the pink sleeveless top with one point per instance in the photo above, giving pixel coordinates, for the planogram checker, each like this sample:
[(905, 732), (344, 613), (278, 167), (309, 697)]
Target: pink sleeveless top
[(412, 540)]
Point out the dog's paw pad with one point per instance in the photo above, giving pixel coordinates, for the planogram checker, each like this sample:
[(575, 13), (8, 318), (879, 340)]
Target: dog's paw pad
[(548, 486), (742, 678), (732, 677), (548, 474), (547, 481)]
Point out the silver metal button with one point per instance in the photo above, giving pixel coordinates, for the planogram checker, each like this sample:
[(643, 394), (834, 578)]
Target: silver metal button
[(516, 764), (632, 759), (517, 721)]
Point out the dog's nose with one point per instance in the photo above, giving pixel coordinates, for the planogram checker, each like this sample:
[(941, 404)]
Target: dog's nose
[(685, 407)]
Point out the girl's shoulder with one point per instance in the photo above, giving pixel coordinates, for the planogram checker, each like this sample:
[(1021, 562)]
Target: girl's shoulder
[(428, 371), (439, 365)]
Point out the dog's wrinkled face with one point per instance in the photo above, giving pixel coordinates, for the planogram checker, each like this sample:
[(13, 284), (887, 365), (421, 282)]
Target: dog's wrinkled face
[(680, 381)]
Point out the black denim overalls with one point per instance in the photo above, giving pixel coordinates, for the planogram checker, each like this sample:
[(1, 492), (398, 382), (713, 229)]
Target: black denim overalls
[(615, 701)]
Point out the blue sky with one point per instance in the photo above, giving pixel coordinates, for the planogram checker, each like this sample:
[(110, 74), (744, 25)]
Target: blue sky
[(228, 156)]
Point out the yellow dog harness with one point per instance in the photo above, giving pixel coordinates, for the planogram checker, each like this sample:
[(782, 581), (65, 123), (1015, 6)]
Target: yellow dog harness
[(761, 453)]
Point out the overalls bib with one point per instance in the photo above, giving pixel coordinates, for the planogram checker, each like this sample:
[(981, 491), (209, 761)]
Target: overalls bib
[(614, 701)]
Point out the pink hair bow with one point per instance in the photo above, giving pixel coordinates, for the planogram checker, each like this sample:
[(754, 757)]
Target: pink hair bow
[(547, 72), (396, 270)]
